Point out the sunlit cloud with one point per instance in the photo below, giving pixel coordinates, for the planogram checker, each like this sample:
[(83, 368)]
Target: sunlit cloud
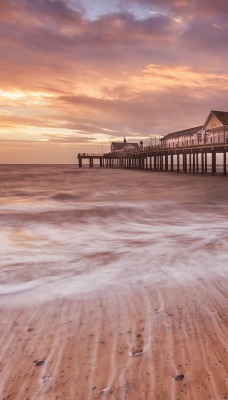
[(74, 73), (161, 77)]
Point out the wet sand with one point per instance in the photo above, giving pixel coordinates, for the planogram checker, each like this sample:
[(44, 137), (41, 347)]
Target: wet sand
[(118, 344)]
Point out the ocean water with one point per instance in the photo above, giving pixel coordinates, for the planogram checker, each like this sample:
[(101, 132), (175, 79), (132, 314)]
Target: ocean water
[(66, 231)]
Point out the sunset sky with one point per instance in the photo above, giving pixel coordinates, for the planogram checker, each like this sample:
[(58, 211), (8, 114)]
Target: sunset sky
[(78, 74)]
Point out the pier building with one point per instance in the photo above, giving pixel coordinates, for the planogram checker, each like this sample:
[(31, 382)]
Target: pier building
[(214, 130), (182, 138), (120, 147)]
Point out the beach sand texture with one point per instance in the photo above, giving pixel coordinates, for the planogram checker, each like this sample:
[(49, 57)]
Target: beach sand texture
[(128, 345)]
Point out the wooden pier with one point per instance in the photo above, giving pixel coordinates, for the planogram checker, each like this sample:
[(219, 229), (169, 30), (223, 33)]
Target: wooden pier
[(189, 159)]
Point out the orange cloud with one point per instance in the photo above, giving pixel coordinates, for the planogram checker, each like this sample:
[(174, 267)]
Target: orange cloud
[(66, 79)]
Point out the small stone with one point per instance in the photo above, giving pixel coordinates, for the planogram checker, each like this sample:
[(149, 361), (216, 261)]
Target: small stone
[(38, 363), (30, 330), (137, 353), (105, 390), (139, 335), (179, 377)]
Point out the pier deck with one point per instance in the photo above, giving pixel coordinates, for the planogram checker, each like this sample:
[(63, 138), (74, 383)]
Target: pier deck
[(196, 159)]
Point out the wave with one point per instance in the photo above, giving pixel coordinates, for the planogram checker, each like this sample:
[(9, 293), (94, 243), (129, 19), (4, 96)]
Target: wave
[(81, 235)]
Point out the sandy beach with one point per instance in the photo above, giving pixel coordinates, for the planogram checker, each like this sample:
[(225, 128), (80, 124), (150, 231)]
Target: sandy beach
[(129, 344)]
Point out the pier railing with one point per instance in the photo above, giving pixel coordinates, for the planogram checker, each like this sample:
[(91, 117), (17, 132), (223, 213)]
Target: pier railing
[(200, 156)]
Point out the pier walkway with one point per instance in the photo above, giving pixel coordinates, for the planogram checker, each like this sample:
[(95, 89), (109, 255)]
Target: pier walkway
[(200, 158)]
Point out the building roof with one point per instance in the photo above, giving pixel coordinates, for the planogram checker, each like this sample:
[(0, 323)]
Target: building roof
[(121, 145), (222, 116), (189, 131)]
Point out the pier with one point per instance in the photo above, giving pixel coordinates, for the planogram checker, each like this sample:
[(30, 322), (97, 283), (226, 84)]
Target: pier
[(188, 159), (201, 149)]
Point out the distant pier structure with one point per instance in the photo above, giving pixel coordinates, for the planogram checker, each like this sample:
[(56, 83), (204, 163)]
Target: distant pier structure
[(197, 150)]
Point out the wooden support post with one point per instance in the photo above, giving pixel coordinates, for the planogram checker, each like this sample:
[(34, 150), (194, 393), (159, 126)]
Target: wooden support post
[(150, 162), (190, 162), (194, 163), (155, 163), (202, 163), (205, 165), (224, 162), (178, 162), (110, 162), (91, 162), (166, 162), (171, 162), (146, 162), (100, 162), (184, 162), (197, 162), (213, 162), (80, 162)]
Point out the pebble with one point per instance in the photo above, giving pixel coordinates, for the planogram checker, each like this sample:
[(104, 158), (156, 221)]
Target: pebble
[(137, 353), (179, 377), (38, 363), (105, 390)]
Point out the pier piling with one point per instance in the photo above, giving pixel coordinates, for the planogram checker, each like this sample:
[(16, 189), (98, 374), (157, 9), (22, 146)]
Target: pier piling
[(190, 159)]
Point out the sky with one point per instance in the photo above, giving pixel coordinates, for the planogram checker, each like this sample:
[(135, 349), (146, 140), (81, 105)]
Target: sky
[(76, 75)]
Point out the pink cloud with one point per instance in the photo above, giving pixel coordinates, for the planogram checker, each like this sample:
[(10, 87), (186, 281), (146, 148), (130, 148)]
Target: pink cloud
[(116, 74)]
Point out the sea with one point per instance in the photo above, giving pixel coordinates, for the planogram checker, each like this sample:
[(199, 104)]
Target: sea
[(69, 231)]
